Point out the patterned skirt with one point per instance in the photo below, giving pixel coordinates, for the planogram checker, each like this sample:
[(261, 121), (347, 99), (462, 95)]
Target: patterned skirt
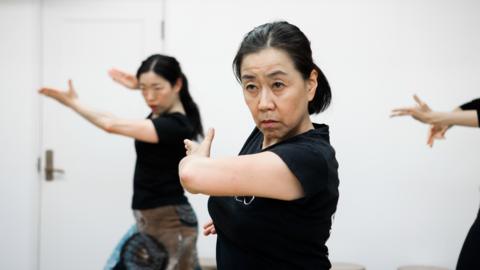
[(163, 238)]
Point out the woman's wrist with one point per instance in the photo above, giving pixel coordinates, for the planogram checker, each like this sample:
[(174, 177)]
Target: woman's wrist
[(439, 118), (73, 104)]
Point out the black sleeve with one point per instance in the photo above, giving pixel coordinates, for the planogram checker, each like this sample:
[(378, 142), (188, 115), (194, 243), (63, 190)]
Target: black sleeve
[(172, 129), (473, 105), (307, 163)]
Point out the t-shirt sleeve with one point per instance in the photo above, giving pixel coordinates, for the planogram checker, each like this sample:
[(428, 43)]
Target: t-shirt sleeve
[(307, 163), (473, 105), (170, 129)]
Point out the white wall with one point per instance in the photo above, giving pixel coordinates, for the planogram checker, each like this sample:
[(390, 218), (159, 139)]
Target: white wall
[(401, 202), (19, 133)]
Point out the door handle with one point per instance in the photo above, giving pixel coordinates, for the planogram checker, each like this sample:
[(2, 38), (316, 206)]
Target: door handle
[(49, 168)]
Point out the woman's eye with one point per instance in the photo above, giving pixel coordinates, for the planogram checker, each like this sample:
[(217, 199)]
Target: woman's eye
[(278, 85), (250, 87)]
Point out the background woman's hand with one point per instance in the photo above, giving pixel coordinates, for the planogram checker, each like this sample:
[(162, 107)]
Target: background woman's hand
[(203, 149), (421, 112), (209, 228), (123, 78), (67, 98)]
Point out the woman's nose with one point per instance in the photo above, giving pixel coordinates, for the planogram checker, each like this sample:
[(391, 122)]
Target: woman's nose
[(266, 100), (150, 95)]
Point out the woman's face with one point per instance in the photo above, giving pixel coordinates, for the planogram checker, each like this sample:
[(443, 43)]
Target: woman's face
[(158, 93), (277, 94)]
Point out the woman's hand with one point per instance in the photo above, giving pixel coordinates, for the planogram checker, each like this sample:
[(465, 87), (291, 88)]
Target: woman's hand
[(123, 78), (203, 149), (436, 132), (209, 228), (421, 112), (67, 98), (189, 165)]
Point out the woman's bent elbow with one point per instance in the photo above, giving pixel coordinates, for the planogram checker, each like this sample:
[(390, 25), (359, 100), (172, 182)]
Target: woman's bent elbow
[(187, 178), (108, 127)]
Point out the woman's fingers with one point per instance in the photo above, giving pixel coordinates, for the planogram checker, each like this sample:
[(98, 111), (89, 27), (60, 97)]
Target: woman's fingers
[(442, 133), (50, 92), (115, 73), (55, 94), (71, 89), (401, 112), (421, 104), (207, 232), (203, 149), (112, 73), (436, 132), (209, 138), (190, 147), (206, 144), (64, 97), (43, 91), (209, 228), (208, 224), (431, 135), (126, 79), (188, 144), (418, 100), (213, 231)]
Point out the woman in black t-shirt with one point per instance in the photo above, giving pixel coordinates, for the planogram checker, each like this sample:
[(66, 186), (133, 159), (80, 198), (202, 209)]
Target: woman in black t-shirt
[(467, 115), (165, 221), (272, 206)]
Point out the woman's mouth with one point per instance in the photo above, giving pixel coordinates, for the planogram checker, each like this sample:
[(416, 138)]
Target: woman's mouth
[(269, 123)]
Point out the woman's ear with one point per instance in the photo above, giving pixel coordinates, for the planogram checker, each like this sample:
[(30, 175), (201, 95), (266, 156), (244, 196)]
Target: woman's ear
[(178, 85), (312, 84)]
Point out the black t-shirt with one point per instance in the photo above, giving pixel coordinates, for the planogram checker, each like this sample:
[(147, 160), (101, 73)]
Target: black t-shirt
[(156, 182), (473, 105), (273, 234)]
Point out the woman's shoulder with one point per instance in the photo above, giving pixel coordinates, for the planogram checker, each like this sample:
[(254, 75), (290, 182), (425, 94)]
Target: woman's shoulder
[(312, 144), (174, 118), (173, 125), (318, 137)]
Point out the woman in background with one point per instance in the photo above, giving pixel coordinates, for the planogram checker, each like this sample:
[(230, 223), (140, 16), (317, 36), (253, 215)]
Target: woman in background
[(467, 115), (165, 220)]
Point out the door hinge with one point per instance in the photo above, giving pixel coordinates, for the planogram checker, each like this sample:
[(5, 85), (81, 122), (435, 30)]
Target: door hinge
[(39, 164)]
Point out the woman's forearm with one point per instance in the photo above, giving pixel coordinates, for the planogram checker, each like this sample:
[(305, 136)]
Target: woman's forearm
[(457, 117), (100, 119)]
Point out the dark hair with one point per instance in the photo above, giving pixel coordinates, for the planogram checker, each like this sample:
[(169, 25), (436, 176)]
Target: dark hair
[(289, 38), (169, 68)]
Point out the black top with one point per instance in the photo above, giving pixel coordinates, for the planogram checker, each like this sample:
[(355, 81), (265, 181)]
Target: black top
[(275, 234), (473, 105), (156, 182)]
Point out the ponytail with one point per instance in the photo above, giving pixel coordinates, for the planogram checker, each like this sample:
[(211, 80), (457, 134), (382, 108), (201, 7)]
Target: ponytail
[(323, 94), (191, 108)]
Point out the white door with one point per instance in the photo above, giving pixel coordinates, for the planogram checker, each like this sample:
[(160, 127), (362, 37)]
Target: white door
[(86, 209)]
